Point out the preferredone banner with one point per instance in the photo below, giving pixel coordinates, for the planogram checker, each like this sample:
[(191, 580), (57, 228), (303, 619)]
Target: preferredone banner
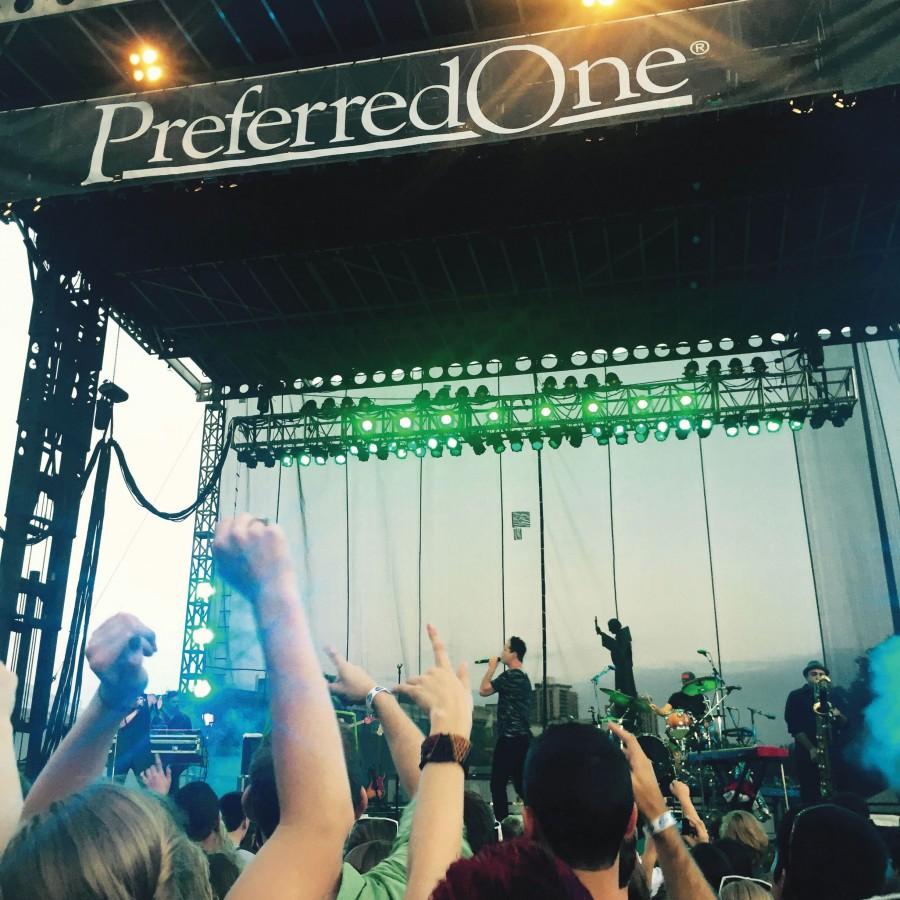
[(690, 61)]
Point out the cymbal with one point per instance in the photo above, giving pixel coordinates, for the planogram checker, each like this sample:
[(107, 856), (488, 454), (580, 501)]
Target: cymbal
[(704, 685), (621, 699)]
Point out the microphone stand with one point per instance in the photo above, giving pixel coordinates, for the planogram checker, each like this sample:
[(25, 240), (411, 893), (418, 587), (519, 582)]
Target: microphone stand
[(719, 698)]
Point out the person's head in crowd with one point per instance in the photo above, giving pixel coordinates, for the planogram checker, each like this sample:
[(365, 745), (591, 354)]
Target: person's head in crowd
[(686, 677), (744, 889), (513, 651), (743, 859), (106, 842), (740, 825), (478, 820), (512, 826), (814, 672), (853, 802), (367, 855), (366, 830), (521, 868), (614, 626), (260, 798), (828, 851), (233, 816), (578, 797), (712, 862)]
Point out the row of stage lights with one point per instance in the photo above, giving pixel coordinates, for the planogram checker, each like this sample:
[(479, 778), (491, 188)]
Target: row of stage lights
[(433, 426)]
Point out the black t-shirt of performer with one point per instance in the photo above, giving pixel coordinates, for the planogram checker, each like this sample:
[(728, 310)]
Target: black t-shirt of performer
[(514, 705), (696, 706)]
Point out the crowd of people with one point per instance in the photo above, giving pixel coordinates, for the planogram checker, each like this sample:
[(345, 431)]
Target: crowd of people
[(594, 821)]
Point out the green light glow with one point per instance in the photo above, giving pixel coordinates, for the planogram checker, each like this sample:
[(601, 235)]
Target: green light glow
[(446, 419), (367, 425), (405, 422), (643, 403)]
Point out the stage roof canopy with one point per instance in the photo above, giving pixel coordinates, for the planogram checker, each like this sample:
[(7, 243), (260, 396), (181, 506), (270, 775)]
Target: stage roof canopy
[(589, 194)]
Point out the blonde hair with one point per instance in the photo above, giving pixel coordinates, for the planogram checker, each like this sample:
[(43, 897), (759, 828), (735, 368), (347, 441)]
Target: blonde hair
[(744, 890), (740, 825), (106, 843)]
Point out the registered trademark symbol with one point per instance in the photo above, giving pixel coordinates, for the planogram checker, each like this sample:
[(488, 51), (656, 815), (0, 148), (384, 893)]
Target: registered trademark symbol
[(700, 48)]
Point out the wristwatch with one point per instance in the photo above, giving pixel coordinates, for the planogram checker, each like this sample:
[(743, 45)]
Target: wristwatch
[(370, 697), (661, 823), (445, 748)]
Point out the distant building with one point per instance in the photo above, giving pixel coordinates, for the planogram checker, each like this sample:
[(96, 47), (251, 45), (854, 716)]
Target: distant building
[(562, 703)]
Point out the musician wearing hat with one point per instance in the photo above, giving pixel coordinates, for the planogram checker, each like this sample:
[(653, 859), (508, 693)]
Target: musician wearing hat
[(800, 717)]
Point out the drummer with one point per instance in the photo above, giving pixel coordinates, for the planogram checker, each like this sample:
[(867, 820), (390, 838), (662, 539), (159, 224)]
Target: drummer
[(695, 705)]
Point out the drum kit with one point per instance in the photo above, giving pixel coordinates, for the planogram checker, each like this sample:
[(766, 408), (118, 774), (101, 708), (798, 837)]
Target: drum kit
[(685, 733)]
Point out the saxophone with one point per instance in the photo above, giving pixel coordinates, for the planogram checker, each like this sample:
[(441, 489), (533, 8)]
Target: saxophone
[(823, 709)]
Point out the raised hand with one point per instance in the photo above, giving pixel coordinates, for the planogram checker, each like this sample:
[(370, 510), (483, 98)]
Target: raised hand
[(444, 694), (353, 683), (252, 556), (647, 794), (158, 778), (115, 653)]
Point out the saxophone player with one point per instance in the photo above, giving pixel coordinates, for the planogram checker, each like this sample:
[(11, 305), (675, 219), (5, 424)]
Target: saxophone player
[(811, 742)]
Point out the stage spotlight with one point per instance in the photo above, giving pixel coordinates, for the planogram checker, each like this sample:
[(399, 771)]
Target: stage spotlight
[(382, 453), (287, 460), (660, 435), (555, 439), (818, 418), (591, 383), (773, 422), (367, 424), (200, 688), (662, 427), (622, 438), (593, 407), (319, 457), (494, 416), (549, 383), (145, 64), (202, 636), (619, 429), (571, 383), (732, 426), (735, 367), (498, 446), (535, 439), (433, 443), (642, 403), (692, 369), (705, 427), (405, 422), (684, 425), (797, 417), (347, 403), (304, 459), (452, 443), (641, 432), (373, 447), (462, 393), (420, 451), (840, 414), (753, 424), (341, 459), (545, 411), (205, 590), (516, 441), (446, 419), (422, 399), (574, 436), (685, 399), (482, 394), (714, 369), (612, 380), (443, 395), (363, 454), (759, 366), (329, 406), (456, 451)]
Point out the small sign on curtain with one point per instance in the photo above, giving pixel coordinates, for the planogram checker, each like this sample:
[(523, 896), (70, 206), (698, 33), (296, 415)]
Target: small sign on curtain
[(520, 520)]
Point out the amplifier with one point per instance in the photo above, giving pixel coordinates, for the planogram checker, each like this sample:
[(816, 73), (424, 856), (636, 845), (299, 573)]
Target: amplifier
[(182, 747)]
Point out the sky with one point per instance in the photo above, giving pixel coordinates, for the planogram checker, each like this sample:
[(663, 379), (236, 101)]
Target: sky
[(662, 557)]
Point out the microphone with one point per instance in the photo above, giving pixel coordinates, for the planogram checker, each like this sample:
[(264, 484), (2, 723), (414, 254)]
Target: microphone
[(703, 652), (733, 687), (599, 675), (481, 662)]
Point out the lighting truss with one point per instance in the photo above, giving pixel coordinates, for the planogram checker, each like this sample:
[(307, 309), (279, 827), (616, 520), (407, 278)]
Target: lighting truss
[(754, 401)]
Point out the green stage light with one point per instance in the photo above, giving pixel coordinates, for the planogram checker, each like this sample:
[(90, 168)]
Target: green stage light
[(641, 432), (405, 422), (499, 447), (382, 453), (516, 441), (574, 436), (446, 419), (602, 440), (773, 423), (535, 439), (363, 455), (642, 403), (593, 407), (476, 443), (796, 420), (545, 411), (433, 443), (437, 452), (622, 438), (732, 426), (452, 443), (705, 427), (684, 424), (367, 425), (555, 440), (304, 459), (662, 427), (752, 424), (685, 399), (287, 460), (456, 451), (420, 451), (354, 450), (401, 453), (200, 688), (494, 416), (320, 459), (619, 429), (373, 448), (341, 459), (598, 431)]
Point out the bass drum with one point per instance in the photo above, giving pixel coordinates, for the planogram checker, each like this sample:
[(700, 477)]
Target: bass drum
[(661, 758)]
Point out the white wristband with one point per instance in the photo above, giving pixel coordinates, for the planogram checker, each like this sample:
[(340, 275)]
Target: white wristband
[(661, 823), (370, 697)]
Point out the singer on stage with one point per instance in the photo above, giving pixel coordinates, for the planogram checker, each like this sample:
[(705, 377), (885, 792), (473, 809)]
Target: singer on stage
[(513, 729)]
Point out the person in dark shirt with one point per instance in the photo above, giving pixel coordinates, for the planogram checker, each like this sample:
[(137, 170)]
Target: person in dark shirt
[(133, 742), (801, 723), (513, 722), (173, 719), (696, 706)]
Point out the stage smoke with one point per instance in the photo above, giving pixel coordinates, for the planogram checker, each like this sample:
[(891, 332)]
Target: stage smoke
[(882, 752)]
